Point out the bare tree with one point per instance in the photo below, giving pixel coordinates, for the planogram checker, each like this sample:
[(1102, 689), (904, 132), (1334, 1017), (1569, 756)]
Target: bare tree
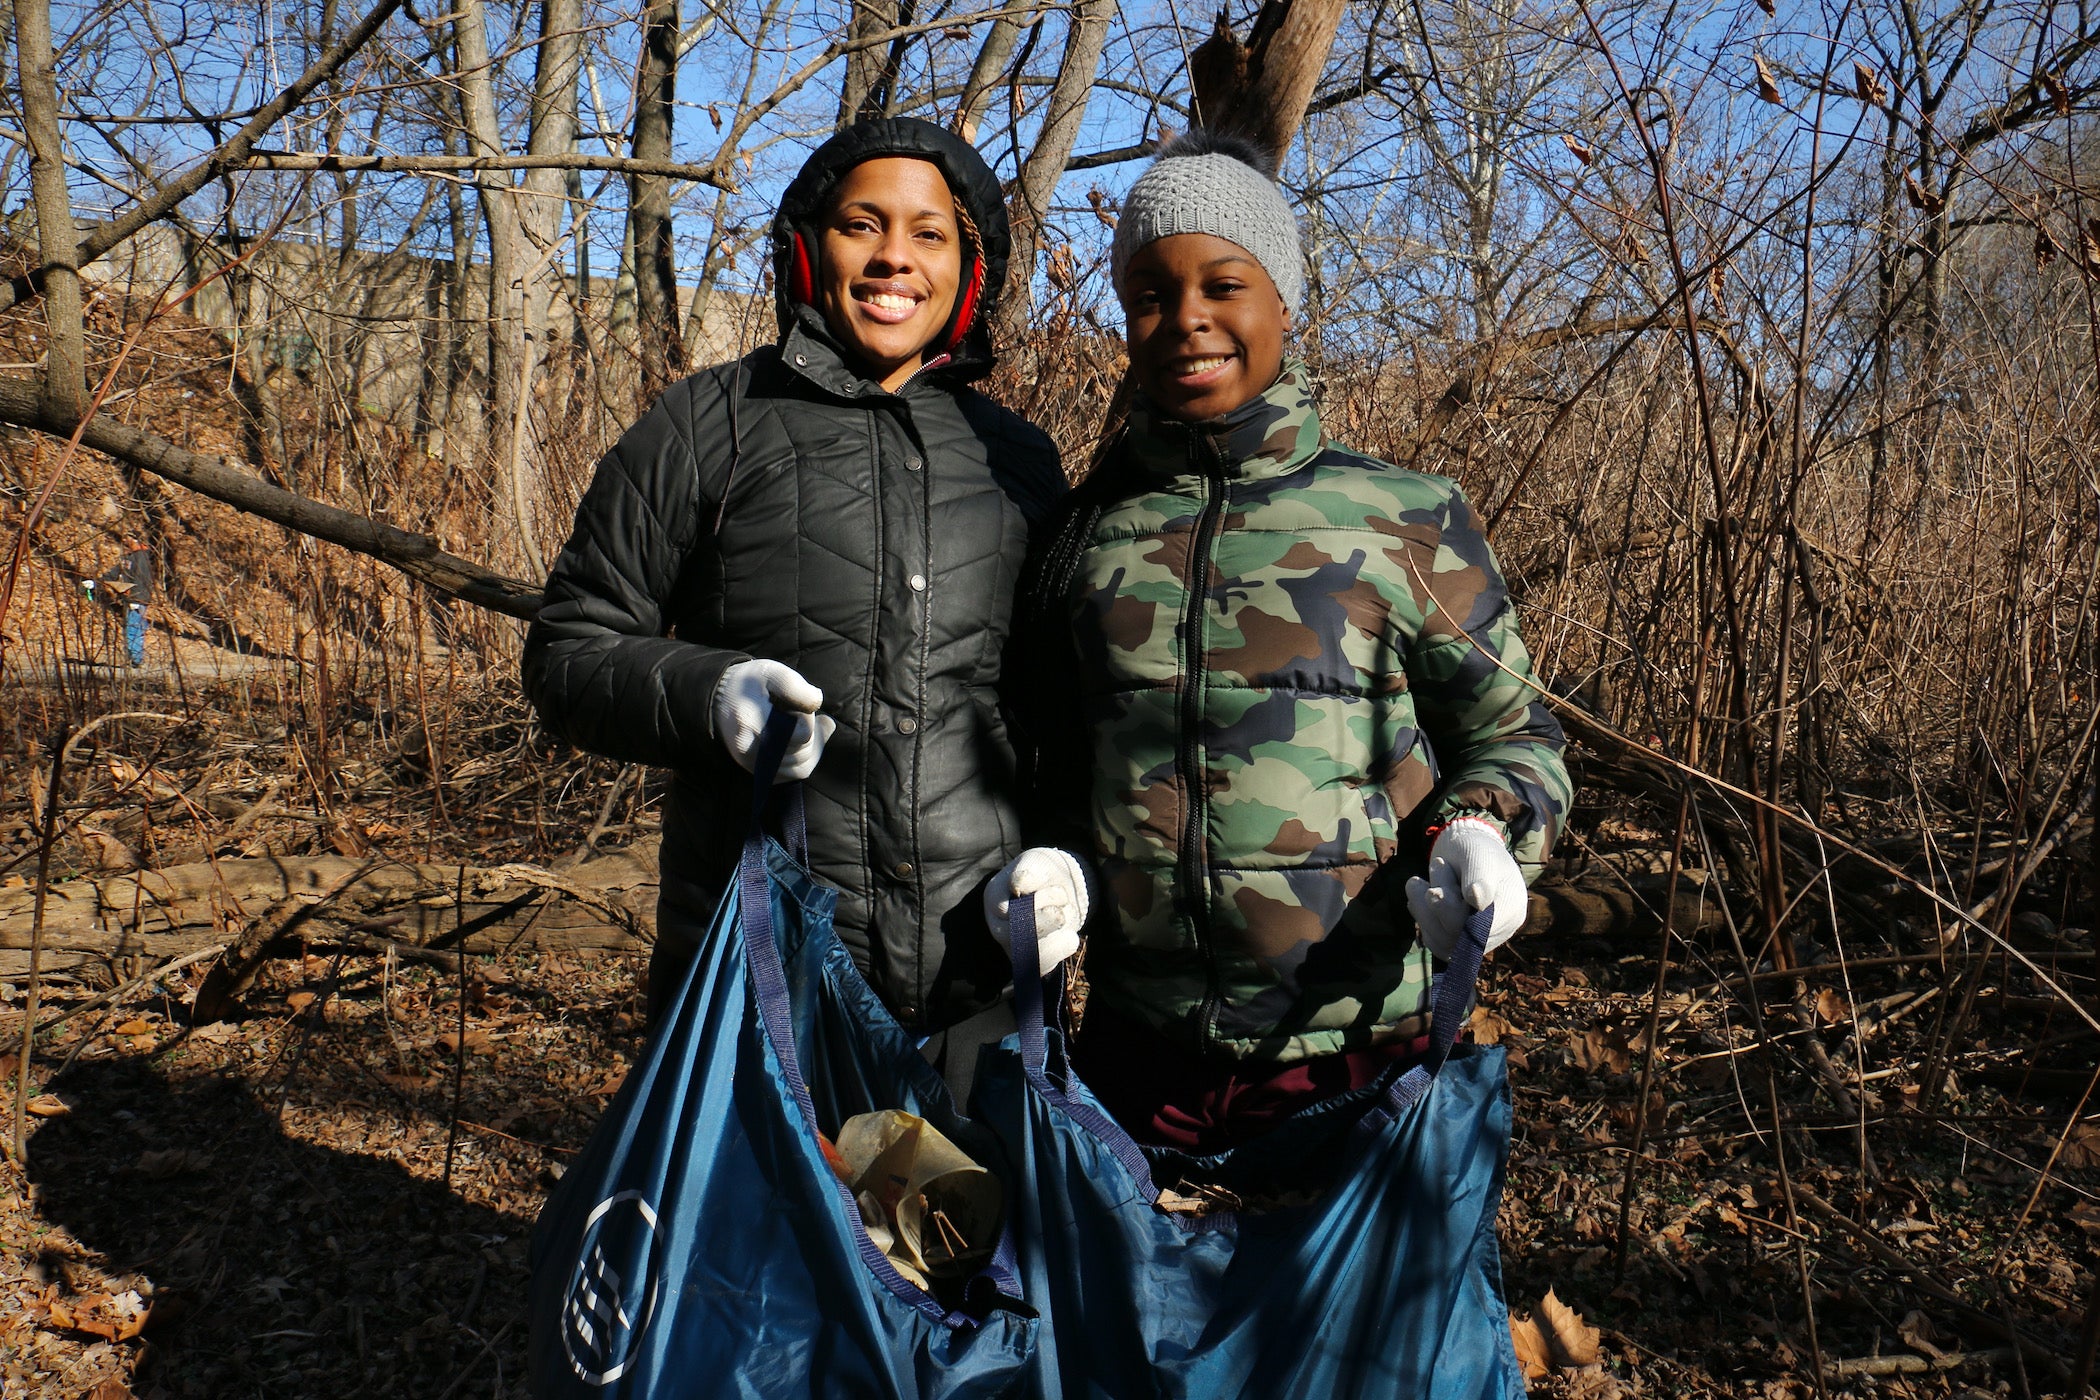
[(1030, 202), (65, 362), (649, 229)]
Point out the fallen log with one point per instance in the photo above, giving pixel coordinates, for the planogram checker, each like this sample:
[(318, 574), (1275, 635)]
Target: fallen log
[(1907, 1364), (1599, 907), (103, 928), (113, 927)]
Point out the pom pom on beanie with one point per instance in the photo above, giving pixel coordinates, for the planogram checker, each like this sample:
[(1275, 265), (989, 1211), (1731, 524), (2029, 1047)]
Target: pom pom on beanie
[(1207, 182)]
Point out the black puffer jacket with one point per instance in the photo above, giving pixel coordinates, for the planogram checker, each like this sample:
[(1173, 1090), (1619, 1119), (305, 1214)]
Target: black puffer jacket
[(871, 541)]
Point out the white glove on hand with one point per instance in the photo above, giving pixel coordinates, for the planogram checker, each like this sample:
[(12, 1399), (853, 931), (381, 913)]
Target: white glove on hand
[(744, 701), (1470, 868), (1058, 882)]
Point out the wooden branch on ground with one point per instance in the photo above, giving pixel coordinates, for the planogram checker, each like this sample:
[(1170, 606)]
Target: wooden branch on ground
[(263, 907), (609, 905), (1908, 1364), (1588, 908), (418, 556), (119, 992), (237, 969), (1612, 760), (1920, 1275)]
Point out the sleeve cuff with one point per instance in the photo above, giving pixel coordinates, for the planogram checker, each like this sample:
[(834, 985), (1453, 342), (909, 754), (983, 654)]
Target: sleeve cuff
[(1449, 812)]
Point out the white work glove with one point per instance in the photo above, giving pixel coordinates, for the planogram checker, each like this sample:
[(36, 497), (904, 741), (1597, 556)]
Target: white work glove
[(1470, 868), (1058, 882), (744, 701)]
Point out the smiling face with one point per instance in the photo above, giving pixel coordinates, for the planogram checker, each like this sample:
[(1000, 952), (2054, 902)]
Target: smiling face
[(1205, 323), (890, 262)]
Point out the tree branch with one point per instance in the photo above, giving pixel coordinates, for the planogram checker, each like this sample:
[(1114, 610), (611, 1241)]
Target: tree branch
[(418, 556), (65, 364), (1094, 160), (434, 164), (227, 157)]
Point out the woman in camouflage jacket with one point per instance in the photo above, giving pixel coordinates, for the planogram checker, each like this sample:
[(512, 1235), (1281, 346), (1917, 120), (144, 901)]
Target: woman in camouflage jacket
[(1295, 667)]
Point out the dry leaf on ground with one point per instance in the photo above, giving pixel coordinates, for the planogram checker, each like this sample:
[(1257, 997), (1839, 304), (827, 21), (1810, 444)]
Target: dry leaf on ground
[(48, 1106), (1605, 1051), (1487, 1027), (1593, 1383), (2082, 1148), (1920, 1335), (1575, 1342), (117, 1318), (1532, 1352)]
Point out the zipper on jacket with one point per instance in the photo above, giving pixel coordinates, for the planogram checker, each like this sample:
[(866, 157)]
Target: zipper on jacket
[(1195, 892)]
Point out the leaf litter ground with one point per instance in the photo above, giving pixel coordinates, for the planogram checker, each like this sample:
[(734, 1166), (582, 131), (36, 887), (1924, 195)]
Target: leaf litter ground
[(262, 1207)]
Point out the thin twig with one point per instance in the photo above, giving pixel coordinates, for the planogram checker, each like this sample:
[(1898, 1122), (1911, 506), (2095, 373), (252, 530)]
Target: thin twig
[(19, 1140), (117, 993)]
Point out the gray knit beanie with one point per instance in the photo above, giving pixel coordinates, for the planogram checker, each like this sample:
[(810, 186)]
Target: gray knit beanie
[(1204, 182)]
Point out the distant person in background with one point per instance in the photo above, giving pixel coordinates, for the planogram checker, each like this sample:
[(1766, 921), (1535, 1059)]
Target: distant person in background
[(132, 584)]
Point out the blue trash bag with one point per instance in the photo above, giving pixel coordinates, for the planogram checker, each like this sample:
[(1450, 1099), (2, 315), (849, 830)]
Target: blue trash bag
[(1387, 1284), (700, 1244)]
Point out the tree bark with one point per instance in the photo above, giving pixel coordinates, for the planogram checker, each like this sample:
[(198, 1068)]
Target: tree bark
[(1260, 89), (992, 58), (1046, 162), (608, 904), (649, 202), (499, 213), (1285, 64), (65, 361), (457, 364), (721, 251), (864, 65), (543, 219)]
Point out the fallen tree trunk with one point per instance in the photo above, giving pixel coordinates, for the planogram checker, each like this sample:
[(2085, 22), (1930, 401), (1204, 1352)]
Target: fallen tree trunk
[(271, 906), (1601, 908), (418, 556), (103, 928)]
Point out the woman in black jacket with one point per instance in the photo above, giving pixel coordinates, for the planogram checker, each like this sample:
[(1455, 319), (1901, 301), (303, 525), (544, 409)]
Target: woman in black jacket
[(833, 524)]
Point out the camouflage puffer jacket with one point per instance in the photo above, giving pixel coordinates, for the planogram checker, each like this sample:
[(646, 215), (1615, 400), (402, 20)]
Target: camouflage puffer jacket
[(1291, 657)]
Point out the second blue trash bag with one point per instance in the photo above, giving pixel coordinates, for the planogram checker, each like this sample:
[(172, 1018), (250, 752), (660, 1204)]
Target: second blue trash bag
[(701, 1244), (1387, 1285)]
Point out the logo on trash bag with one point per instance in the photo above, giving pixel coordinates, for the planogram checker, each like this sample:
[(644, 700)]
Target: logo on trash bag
[(612, 1294)]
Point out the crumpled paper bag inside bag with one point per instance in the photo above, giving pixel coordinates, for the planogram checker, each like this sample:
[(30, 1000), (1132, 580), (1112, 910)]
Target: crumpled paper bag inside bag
[(927, 1205)]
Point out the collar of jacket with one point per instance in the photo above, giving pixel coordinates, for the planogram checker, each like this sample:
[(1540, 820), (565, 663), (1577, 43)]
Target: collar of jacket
[(1269, 436), (810, 350)]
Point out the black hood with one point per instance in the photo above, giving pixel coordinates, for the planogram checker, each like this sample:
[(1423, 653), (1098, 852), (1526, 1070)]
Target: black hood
[(969, 178)]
